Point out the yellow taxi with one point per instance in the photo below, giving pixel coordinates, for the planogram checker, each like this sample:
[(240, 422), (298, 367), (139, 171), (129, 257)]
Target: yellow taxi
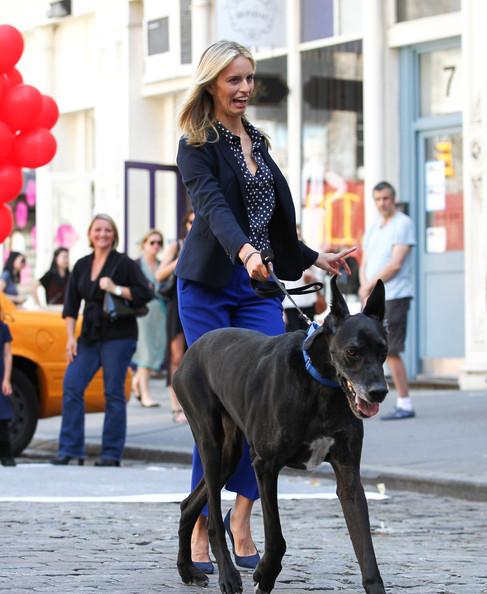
[(39, 363)]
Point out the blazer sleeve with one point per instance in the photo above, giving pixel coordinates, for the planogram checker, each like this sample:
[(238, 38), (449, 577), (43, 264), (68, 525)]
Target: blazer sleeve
[(214, 193)]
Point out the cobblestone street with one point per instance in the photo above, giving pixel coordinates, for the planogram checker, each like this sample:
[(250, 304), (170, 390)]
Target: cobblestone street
[(424, 545)]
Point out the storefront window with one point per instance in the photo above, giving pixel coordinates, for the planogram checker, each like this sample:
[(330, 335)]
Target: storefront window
[(408, 10), (268, 109), (332, 176)]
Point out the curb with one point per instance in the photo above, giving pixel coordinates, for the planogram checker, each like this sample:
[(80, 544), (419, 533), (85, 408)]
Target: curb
[(394, 481)]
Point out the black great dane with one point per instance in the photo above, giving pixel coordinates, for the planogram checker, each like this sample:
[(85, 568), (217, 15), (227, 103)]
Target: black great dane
[(234, 383)]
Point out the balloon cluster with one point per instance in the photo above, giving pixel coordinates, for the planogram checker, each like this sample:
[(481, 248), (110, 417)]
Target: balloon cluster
[(26, 116)]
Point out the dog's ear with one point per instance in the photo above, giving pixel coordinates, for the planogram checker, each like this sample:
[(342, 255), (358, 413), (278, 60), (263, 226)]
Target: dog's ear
[(339, 309), (376, 306)]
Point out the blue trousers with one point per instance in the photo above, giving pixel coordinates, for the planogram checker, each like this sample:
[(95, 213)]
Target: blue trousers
[(114, 357), (203, 308)]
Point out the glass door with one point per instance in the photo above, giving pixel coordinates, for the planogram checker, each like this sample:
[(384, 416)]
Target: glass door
[(440, 252)]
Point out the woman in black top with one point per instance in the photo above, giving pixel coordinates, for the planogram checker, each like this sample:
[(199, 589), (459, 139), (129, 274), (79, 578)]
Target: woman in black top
[(102, 342), (55, 280)]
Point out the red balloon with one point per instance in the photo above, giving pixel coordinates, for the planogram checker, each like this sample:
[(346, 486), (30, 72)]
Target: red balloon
[(13, 78), (3, 86), (6, 141), (6, 222), (49, 114), (34, 148), (22, 107), (11, 47), (11, 181)]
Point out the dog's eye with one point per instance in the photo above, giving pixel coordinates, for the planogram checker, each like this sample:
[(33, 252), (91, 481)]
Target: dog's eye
[(351, 352)]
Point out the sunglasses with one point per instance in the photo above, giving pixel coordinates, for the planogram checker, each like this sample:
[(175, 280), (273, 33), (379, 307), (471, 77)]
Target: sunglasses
[(155, 242)]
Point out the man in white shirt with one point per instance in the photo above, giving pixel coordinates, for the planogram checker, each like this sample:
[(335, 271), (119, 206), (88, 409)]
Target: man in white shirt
[(387, 256)]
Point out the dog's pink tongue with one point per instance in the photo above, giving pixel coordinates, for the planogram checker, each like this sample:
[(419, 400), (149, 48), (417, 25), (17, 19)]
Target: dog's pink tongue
[(366, 408)]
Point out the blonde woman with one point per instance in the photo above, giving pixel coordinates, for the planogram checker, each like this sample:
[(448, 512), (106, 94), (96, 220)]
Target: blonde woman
[(242, 205), (102, 343), (151, 344)]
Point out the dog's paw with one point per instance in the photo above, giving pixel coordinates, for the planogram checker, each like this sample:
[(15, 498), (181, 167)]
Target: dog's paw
[(193, 577), (257, 590)]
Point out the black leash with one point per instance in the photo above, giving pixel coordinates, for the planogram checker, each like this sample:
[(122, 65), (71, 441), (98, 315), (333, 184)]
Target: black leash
[(267, 291)]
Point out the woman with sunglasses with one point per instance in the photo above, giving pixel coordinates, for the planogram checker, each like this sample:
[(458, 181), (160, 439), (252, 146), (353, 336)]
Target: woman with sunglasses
[(176, 342), (152, 327), (10, 277)]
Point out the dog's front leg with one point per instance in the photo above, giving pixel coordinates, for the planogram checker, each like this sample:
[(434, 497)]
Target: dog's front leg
[(269, 566), (212, 456), (355, 510)]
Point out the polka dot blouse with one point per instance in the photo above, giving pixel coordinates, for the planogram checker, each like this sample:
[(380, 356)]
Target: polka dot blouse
[(259, 188)]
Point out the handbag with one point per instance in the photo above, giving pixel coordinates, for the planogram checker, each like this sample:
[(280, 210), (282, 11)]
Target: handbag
[(167, 288), (115, 307), (320, 303)]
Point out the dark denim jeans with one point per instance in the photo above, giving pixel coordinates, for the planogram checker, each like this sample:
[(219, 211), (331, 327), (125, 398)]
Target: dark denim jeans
[(114, 357)]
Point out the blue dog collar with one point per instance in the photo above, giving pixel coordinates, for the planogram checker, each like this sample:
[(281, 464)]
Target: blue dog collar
[(309, 366)]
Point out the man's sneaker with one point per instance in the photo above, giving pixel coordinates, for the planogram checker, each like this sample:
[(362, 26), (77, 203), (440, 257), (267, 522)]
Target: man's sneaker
[(399, 413)]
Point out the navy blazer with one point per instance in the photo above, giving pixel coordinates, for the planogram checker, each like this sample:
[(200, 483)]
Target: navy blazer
[(216, 187)]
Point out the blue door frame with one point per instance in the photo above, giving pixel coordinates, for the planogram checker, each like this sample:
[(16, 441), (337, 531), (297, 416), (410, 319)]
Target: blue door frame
[(152, 169)]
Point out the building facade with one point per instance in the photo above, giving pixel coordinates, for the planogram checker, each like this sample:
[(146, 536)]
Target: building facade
[(351, 92)]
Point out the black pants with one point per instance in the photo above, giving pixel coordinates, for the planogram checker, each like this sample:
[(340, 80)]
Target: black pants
[(5, 446)]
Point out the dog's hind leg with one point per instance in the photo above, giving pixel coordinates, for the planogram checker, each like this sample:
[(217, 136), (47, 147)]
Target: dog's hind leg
[(355, 509), (270, 565), (190, 510)]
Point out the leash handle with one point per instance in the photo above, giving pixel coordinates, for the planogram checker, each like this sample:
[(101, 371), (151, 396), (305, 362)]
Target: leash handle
[(268, 292)]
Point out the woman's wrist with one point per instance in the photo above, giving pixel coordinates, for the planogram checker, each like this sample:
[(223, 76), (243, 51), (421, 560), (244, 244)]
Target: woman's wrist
[(248, 256)]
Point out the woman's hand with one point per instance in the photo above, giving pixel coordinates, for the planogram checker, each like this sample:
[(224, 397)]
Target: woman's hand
[(71, 343), (71, 349), (106, 284), (252, 260), (332, 262)]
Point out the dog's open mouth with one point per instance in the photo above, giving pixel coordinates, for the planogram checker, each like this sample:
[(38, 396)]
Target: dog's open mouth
[(360, 407)]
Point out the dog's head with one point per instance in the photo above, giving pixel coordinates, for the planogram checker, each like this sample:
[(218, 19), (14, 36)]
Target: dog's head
[(356, 348)]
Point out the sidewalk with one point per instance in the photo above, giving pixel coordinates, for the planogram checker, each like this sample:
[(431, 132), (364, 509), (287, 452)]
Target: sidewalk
[(442, 451)]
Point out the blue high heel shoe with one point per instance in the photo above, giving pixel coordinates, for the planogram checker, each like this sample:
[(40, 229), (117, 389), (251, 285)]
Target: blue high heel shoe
[(248, 562), (204, 566)]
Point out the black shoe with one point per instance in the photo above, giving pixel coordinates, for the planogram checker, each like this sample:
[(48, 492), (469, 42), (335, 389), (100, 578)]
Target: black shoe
[(8, 461), (107, 462), (64, 460)]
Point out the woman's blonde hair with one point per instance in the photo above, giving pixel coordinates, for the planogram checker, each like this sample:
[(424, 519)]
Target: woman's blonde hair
[(108, 218), (196, 116), (146, 236)]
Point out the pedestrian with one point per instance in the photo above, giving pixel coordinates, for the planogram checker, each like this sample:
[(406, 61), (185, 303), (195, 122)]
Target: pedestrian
[(6, 455), (387, 255), (102, 343), (55, 279), (242, 205), (10, 277), (151, 344), (176, 342)]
